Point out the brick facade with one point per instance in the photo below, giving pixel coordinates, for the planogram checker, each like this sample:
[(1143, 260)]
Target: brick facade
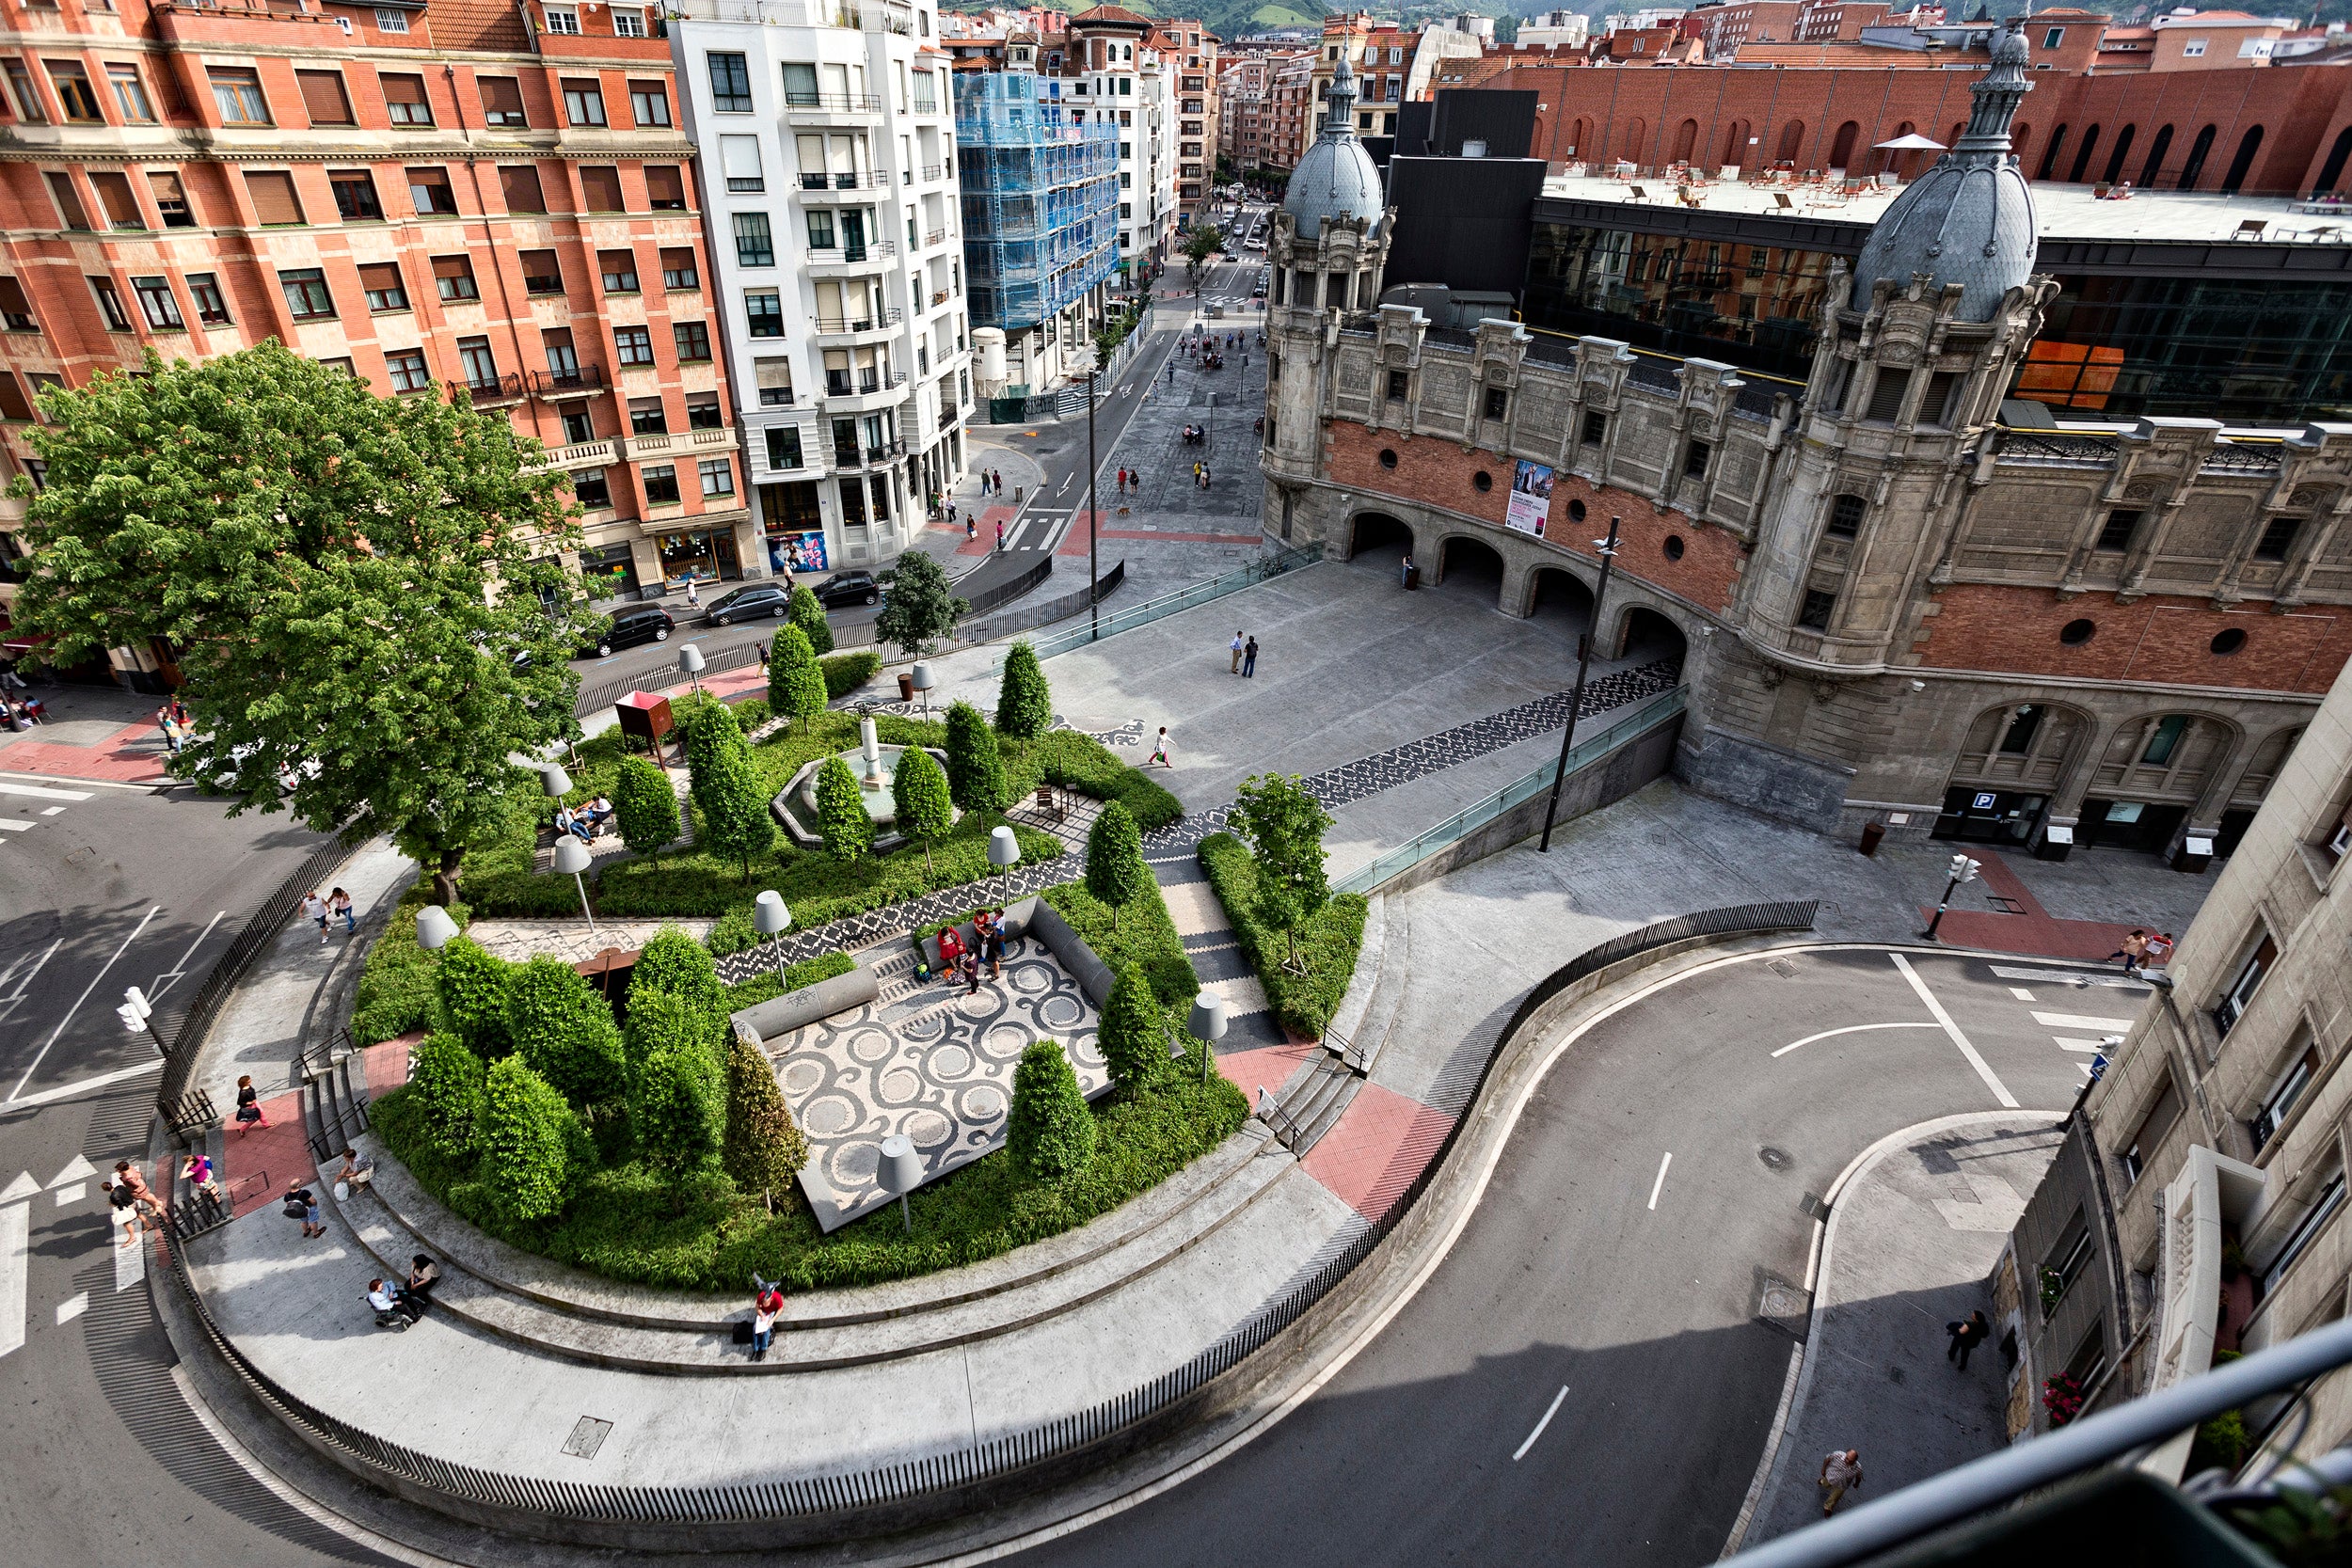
[(2159, 640)]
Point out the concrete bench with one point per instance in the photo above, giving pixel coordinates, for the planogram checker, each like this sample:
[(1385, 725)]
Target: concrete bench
[(1019, 915), (765, 1021)]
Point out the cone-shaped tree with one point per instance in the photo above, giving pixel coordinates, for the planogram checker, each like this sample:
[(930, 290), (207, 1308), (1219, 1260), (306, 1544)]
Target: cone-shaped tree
[(735, 822), (796, 687), (809, 615), (678, 964), (1115, 869), (527, 1136), (1283, 825), (472, 984), (976, 768), (447, 1081), (1050, 1131), (1025, 706), (646, 806), (764, 1149), (677, 1107), (918, 794), (841, 811), (1135, 1032)]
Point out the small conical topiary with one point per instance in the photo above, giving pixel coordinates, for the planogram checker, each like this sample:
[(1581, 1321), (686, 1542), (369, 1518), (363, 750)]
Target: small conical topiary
[(1133, 1032), (646, 806), (1116, 872), (975, 767), (919, 800), (472, 985), (764, 1149), (1050, 1131), (675, 963), (1025, 706), (807, 613), (796, 687), (841, 811)]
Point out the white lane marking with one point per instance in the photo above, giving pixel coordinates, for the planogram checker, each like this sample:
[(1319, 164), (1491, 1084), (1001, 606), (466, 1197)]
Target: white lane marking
[(1851, 1029), (72, 1307), (16, 1259), (2085, 1046), (130, 1261), (14, 824), (152, 911), (38, 793), (173, 977), (72, 1192), (2082, 1020), (1550, 1411), (80, 1169), (94, 784), (1660, 1185), (2021, 993), (67, 1091), (22, 1187), (8, 1002), (2068, 977), (51, 811), (2000, 1091), (1066, 480)]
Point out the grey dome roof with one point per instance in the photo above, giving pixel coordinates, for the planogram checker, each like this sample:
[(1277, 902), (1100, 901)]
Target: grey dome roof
[(1969, 220), (1336, 178)]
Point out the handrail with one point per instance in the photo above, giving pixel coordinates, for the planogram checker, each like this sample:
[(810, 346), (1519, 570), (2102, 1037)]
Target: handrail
[(1134, 615), (2022, 1467)]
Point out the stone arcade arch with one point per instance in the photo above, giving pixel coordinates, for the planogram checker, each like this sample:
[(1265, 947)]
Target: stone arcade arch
[(2013, 762), (1557, 592), (1377, 532), (1470, 566), (1648, 634)]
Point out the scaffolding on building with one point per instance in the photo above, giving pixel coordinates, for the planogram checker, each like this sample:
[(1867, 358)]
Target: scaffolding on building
[(1041, 200)]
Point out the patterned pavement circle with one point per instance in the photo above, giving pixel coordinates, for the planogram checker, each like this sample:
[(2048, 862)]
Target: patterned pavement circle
[(941, 1075)]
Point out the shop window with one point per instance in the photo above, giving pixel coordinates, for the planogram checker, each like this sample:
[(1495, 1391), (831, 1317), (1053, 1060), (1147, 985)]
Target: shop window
[(380, 281), (2141, 1147), (404, 102), (1815, 614), (408, 371), (692, 340), (666, 189), (157, 304), (542, 273), (2165, 739), (2244, 981), (632, 345), (355, 195), (519, 184), (648, 103), (502, 101), (307, 295), (677, 270), (452, 278), (618, 269), (2302, 1066), (2323, 1208), (323, 97), (1845, 516), (660, 481), (204, 293), (2115, 534)]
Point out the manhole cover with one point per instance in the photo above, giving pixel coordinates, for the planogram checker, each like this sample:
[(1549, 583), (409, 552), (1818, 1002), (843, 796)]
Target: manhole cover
[(1775, 1159), (587, 1437), (1783, 968)]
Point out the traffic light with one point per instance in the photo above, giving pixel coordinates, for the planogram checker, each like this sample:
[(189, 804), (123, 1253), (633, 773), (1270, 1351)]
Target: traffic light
[(1964, 869)]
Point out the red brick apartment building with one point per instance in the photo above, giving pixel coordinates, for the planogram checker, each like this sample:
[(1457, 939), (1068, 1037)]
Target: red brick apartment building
[(436, 193)]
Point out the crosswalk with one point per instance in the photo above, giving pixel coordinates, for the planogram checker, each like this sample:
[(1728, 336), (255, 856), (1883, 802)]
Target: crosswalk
[(2084, 1034), (69, 1187), (24, 796)]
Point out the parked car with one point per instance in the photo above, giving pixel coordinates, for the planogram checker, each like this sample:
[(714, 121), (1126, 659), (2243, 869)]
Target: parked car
[(645, 624), (849, 588), (751, 600)]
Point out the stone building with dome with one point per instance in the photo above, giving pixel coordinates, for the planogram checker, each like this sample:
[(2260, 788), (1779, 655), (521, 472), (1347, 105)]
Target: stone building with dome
[(1899, 594)]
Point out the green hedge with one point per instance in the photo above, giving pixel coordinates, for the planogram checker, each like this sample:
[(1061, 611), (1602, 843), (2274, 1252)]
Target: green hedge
[(1327, 944), (398, 988), (765, 986), (1073, 761), (1146, 938), (844, 672)]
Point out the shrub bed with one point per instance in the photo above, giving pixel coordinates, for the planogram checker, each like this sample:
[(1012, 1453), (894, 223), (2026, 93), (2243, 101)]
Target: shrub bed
[(1070, 760), (1145, 937), (844, 672), (1327, 944)]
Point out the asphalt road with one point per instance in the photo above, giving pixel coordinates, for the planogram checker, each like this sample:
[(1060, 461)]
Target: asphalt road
[(1567, 1278), (106, 1464)]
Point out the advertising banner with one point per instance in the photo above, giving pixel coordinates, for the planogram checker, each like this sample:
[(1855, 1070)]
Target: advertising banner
[(796, 552), (1530, 498)]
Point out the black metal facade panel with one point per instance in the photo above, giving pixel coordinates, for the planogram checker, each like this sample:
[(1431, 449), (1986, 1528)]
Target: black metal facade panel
[(2161, 259), (1462, 222), (1504, 118), (1835, 236)]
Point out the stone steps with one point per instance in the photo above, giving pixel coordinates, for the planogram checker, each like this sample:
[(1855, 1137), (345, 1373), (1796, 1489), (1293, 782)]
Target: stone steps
[(564, 1312)]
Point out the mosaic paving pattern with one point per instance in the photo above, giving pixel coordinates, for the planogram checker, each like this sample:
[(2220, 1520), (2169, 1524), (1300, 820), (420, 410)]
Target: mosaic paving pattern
[(943, 1076)]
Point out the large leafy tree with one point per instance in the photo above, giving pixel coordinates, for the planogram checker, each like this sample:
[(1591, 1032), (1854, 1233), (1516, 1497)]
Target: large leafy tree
[(1202, 244), (357, 587), (922, 607), (1283, 825)]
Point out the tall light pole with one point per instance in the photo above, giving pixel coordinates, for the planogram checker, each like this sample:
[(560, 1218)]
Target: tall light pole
[(1094, 518), (1607, 548)]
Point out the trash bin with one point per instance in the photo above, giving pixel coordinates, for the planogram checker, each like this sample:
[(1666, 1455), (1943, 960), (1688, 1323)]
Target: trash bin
[(2194, 855), (906, 687), (1872, 833), (1412, 577), (2057, 842)]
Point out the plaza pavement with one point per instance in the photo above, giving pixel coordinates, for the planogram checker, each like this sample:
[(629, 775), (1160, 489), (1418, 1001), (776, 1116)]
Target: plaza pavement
[(1350, 665)]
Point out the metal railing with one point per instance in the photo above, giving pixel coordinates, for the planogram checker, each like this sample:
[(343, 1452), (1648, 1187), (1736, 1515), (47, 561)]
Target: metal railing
[(1047, 613), (2048, 446), (1658, 710), (1011, 589), (1264, 568), (867, 321), (2095, 1440), (580, 378), (833, 102), (2242, 457), (493, 389), (847, 181), (259, 929)]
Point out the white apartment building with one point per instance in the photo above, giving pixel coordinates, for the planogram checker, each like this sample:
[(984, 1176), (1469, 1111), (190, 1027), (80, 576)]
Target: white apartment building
[(1555, 30), (825, 131)]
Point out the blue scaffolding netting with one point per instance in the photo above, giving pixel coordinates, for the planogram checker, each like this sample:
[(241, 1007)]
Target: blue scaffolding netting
[(1041, 200)]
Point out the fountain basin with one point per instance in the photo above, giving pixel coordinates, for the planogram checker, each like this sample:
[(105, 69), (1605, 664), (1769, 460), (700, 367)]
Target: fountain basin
[(795, 805)]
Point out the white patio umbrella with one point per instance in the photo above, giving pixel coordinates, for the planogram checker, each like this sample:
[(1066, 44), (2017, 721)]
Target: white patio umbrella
[(1911, 142)]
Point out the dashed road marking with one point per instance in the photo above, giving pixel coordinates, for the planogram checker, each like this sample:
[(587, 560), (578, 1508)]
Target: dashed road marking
[(2082, 1020)]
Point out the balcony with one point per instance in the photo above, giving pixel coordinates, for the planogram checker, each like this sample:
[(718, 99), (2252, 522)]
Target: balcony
[(832, 108), (580, 378), (937, 237), (873, 321), (839, 384), (488, 390), (688, 441), (865, 457), (933, 171), (872, 254)]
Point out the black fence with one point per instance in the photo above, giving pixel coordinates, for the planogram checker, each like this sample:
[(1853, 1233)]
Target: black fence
[(1065, 1439), (259, 926), (1011, 589)]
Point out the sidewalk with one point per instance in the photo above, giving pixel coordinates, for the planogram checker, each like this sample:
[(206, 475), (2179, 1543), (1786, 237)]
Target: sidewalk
[(1911, 1240), (99, 733)]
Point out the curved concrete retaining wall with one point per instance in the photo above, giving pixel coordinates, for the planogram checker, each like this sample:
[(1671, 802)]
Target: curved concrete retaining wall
[(797, 1009)]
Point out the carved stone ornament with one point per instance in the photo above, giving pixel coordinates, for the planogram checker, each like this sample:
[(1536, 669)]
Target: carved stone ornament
[(2142, 489), (2308, 495)]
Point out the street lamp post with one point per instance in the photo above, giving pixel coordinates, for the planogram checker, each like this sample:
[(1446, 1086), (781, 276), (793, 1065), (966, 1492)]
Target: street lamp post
[(571, 858), (1004, 850), (690, 661), (1963, 870), (774, 919), (898, 1172), (1207, 1025), (1607, 548), (920, 678), (435, 928), (1094, 517)]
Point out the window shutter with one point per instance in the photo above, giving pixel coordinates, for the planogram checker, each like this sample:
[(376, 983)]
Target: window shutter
[(453, 267), (12, 300), (520, 183), (601, 184), (272, 194), (740, 157), (324, 96), (666, 187), (113, 193), (1886, 395), (13, 403), (378, 278), (171, 195), (408, 92), (428, 189), (503, 96)]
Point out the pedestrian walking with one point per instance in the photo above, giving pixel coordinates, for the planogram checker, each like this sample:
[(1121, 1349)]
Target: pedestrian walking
[(142, 1195), (197, 1173), (1207, 477), (691, 596), (1967, 1335), (761, 649), (1250, 660), (249, 1105), (1159, 752), (1235, 668), (171, 731), (178, 712), (315, 909), (1405, 572), (2159, 949), (303, 1204), (2134, 951), (118, 1200), (339, 904), (971, 529), (971, 972), (1000, 533), (1841, 1473)]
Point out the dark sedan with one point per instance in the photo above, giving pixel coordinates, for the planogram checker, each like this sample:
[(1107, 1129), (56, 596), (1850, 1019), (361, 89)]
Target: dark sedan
[(629, 627), (844, 588), (750, 602)]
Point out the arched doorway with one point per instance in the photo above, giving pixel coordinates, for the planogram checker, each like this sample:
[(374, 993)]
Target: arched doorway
[(2122, 150), (1736, 153), (2243, 164), (1645, 637), (2012, 761), (1686, 141), (1841, 150), (2155, 165), (1557, 595), (2083, 155), (1379, 535), (1470, 568), (1792, 142)]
